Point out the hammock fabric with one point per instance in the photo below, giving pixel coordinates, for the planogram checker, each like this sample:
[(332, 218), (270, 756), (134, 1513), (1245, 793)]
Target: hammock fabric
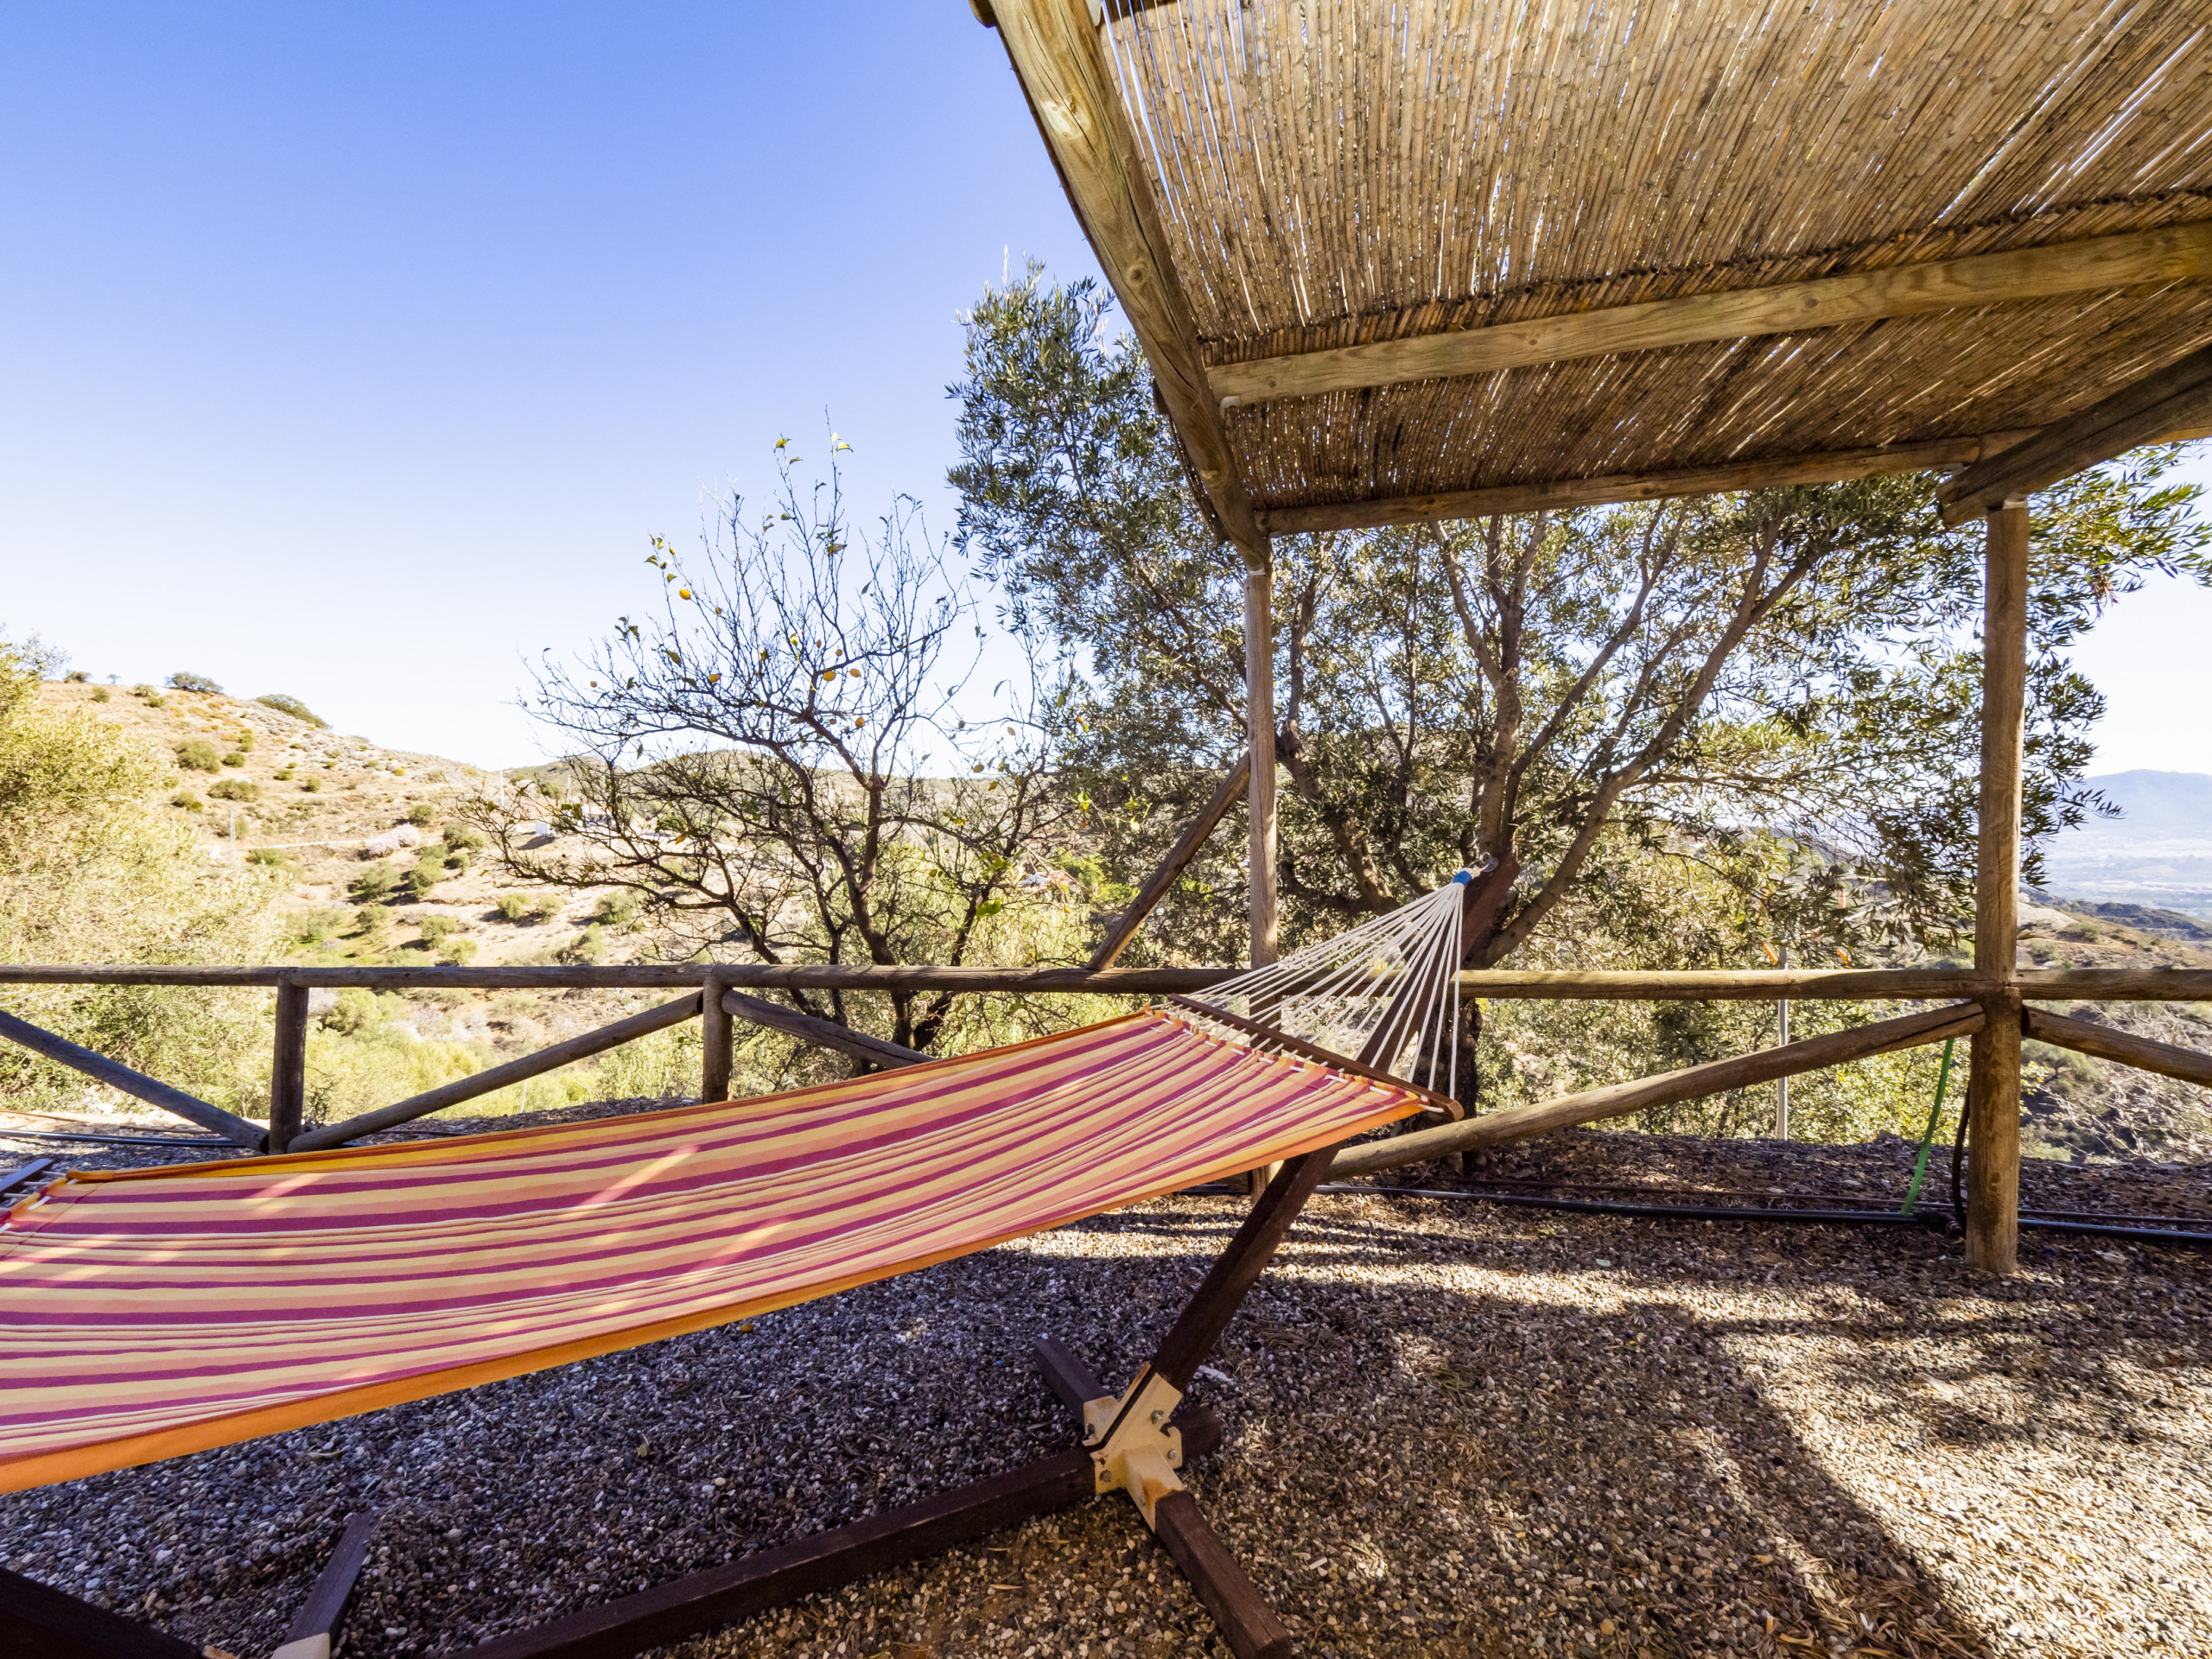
[(145, 1313)]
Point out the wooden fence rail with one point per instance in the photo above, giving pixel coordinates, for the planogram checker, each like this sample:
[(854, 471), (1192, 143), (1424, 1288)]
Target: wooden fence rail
[(714, 991), (1812, 985)]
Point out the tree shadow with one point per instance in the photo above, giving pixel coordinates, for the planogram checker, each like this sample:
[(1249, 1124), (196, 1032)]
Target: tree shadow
[(1569, 1458)]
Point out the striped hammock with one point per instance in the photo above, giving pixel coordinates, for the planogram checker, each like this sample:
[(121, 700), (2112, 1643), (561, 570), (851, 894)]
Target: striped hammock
[(145, 1313)]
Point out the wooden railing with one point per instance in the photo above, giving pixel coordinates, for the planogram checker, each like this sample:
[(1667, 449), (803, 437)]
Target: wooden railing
[(719, 994)]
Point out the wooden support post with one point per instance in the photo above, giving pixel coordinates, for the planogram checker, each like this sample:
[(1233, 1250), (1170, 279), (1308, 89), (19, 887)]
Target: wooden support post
[(1692, 1083), (1237, 782), (1260, 735), (1993, 1221), (1259, 742), (717, 1043), (878, 1051), (2087, 1037), (287, 1068)]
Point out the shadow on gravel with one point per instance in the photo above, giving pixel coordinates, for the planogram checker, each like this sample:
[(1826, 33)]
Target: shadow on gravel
[(1573, 1466)]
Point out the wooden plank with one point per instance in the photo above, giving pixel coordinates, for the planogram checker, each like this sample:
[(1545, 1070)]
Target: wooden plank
[(1056, 57), (1240, 1611), (722, 1595), (237, 1130), (499, 1076), (1178, 860), (288, 1067), (717, 1040), (38, 1622), (1615, 1100), (1278, 1042), (2087, 1037), (1066, 1374), (1234, 1271), (2176, 397), (323, 1610), (1821, 467), (2173, 254), (823, 1033), (1993, 1218), (1261, 827)]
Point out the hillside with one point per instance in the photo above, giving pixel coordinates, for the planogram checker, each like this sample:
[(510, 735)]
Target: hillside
[(313, 800), (314, 805)]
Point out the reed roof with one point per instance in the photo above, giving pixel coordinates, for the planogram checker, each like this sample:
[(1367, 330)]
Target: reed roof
[(1430, 177)]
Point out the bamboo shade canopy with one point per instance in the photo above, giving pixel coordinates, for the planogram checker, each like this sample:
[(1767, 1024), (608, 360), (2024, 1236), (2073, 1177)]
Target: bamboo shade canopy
[(1406, 178)]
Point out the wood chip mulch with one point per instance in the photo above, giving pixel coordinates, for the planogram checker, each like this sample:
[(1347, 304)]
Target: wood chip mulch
[(1453, 1429)]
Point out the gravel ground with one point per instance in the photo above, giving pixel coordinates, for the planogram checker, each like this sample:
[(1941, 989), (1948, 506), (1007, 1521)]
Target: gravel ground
[(1453, 1429)]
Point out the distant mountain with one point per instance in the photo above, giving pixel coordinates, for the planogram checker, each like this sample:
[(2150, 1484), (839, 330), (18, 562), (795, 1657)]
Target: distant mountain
[(2157, 852), (2154, 806)]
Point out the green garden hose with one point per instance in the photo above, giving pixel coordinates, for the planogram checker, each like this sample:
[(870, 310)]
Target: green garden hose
[(1935, 1115)]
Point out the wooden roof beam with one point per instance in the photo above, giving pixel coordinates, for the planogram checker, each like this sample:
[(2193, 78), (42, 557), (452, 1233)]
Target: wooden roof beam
[(1061, 65), (2175, 253), (1823, 467), (2174, 401)]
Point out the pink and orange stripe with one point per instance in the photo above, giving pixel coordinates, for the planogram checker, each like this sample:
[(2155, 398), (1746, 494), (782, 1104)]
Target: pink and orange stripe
[(145, 1313)]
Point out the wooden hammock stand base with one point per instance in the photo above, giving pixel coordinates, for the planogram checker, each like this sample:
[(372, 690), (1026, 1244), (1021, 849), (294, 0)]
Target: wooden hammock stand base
[(1134, 1441)]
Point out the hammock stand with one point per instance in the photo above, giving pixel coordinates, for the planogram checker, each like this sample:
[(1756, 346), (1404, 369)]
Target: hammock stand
[(1146, 1439), (1390, 985)]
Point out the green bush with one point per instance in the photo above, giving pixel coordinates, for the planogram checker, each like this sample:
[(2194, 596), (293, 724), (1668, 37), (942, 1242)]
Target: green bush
[(421, 813), (235, 789), (99, 694), (427, 873), (235, 758), (459, 953), (284, 774), (188, 801), (269, 855), (75, 676), (435, 928), (284, 704), (521, 907), (374, 885), (586, 948), (316, 926), (199, 755), (460, 838), (184, 682), (617, 909), (243, 741), (355, 1011), (313, 786)]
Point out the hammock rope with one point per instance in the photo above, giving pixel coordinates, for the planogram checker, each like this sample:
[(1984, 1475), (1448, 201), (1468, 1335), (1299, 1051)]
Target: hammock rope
[(1386, 994)]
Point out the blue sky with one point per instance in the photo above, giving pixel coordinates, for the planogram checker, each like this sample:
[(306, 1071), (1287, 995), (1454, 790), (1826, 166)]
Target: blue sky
[(356, 352)]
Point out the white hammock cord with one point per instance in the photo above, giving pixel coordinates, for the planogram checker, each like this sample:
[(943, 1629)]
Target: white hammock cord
[(1345, 993)]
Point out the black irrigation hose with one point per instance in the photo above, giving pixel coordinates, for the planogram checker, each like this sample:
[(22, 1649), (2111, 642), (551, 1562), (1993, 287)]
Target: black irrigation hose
[(1935, 1218), (1958, 1148)]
